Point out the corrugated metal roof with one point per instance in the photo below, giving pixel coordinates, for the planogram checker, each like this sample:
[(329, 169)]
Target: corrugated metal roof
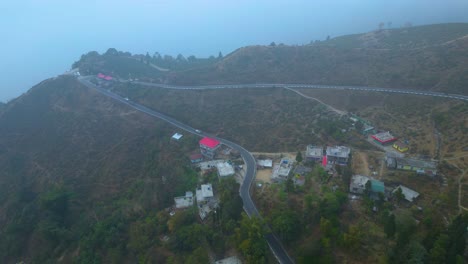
[(209, 142)]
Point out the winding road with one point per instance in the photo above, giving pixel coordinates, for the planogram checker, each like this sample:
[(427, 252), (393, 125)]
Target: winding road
[(249, 207), (308, 86), (251, 167)]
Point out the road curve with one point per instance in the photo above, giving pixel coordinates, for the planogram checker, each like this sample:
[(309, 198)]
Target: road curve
[(308, 86), (251, 166)]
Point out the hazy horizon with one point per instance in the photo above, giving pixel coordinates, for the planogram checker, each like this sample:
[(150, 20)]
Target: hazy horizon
[(43, 38)]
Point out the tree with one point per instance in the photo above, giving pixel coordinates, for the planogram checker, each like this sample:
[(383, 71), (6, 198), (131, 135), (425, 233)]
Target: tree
[(273, 44), (111, 52), (328, 37), (220, 55), (457, 238), (438, 252), (390, 226), (299, 157), (352, 239), (286, 224), (359, 126), (399, 195), (250, 239)]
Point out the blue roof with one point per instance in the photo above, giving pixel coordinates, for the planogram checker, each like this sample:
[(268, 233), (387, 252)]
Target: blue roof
[(377, 186)]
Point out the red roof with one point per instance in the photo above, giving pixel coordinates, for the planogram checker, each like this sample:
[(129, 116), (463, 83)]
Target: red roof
[(386, 140), (209, 142), (105, 77), (196, 156)]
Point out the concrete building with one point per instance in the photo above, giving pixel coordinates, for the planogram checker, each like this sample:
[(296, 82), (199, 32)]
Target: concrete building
[(229, 260), (281, 170), (302, 170), (358, 184), (225, 169), (195, 158), (384, 138), (184, 201), (314, 153), (208, 147), (206, 202), (267, 163), (409, 194), (338, 155), (419, 166), (204, 193)]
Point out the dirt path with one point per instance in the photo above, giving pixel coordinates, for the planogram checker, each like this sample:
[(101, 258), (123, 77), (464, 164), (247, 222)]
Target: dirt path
[(339, 112), (460, 194), (361, 164)]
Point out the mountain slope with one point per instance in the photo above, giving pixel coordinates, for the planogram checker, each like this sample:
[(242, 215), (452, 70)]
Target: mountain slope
[(72, 160), (435, 63)]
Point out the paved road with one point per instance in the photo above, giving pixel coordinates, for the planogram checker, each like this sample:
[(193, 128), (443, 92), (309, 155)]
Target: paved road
[(273, 242), (311, 86)]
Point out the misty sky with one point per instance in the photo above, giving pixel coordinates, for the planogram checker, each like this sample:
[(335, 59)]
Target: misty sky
[(42, 38)]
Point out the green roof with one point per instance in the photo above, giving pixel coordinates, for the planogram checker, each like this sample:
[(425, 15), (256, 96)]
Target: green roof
[(377, 186)]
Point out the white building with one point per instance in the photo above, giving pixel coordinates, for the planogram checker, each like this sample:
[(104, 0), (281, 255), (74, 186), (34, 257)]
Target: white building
[(338, 155), (176, 136), (409, 194), (358, 184), (267, 163), (225, 169), (314, 153), (204, 193), (184, 201), (230, 260)]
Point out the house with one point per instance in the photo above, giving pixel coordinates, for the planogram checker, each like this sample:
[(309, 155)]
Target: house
[(409, 194), (184, 201), (314, 153), (225, 169), (267, 163), (208, 147), (384, 138), (358, 184), (281, 170), (302, 170), (230, 260), (195, 158), (367, 129), (205, 200), (377, 186), (104, 77), (400, 146), (421, 167), (176, 136), (338, 155), (204, 193)]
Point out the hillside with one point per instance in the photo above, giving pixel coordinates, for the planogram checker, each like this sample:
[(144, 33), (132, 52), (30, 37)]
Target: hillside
[(402, 38), (74, 165), (439, 65), (430, 57)]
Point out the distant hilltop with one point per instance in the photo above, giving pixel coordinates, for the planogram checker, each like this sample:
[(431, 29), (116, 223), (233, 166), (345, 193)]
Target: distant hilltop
[(430, 57)]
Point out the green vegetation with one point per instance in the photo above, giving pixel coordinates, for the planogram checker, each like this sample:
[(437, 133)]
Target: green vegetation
[(82, 174)]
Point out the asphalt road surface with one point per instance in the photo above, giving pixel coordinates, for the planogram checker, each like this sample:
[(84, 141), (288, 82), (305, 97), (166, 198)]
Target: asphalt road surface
[(309, 86), (251, 167)]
